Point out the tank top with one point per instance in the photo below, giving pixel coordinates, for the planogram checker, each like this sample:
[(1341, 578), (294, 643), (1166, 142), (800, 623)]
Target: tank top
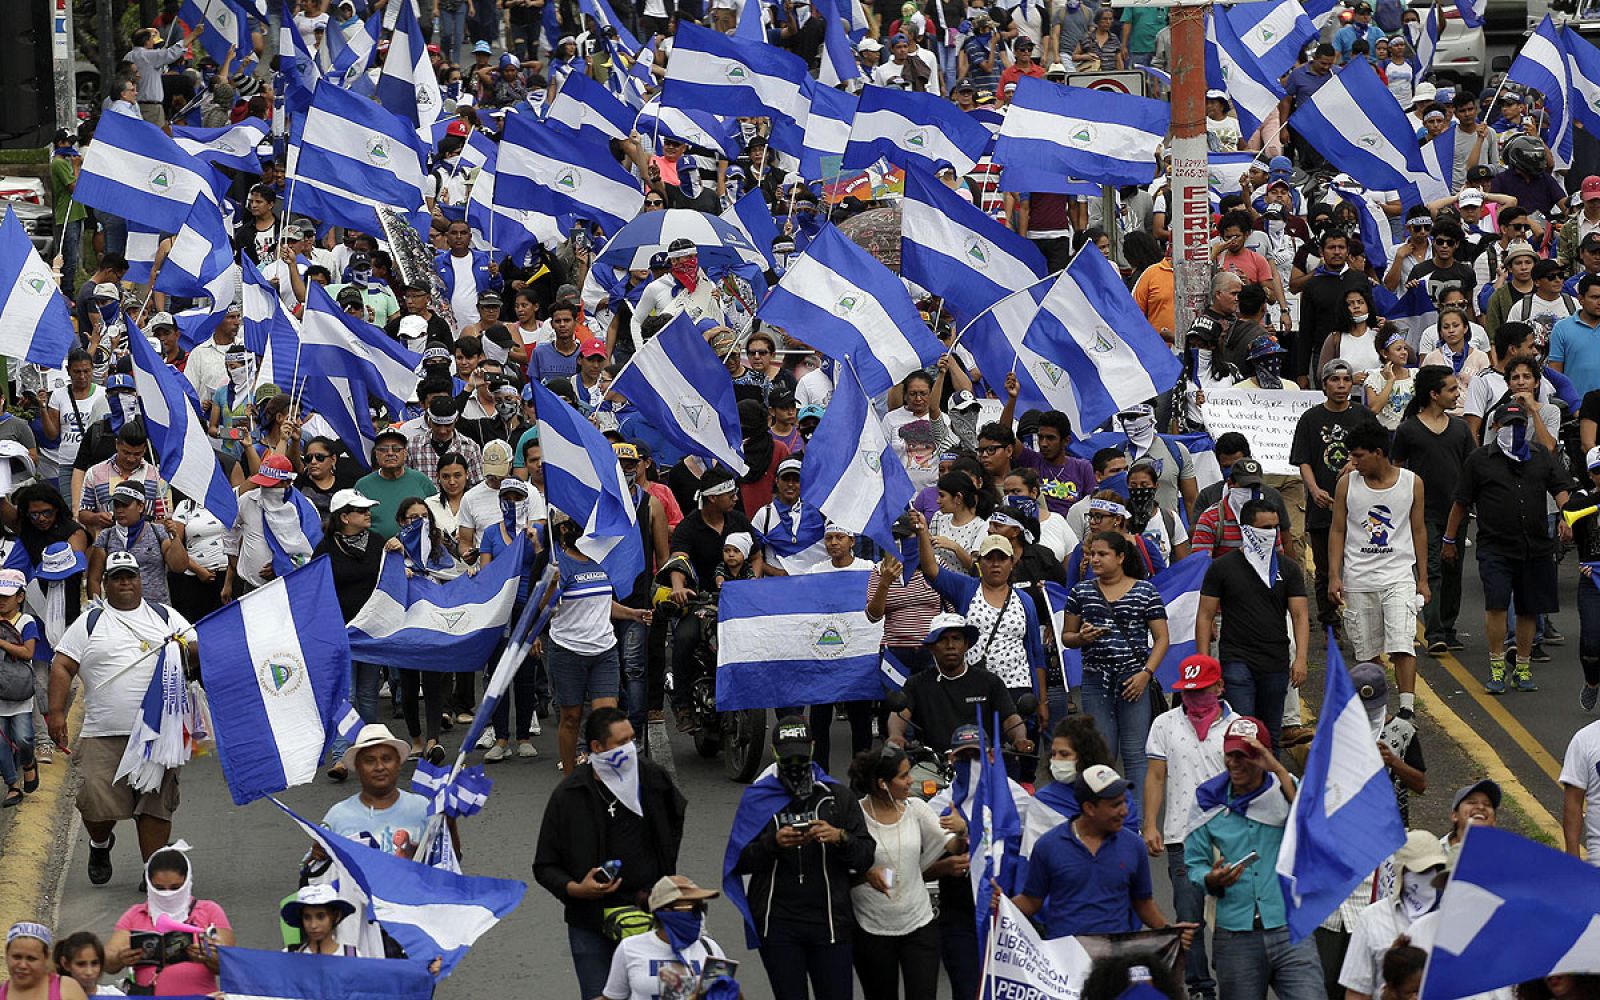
[(1377, 547), (55, 988)]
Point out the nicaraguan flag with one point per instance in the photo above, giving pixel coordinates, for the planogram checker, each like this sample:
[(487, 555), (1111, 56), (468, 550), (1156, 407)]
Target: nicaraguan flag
[(993, 826), (350, 57), (851, 473), (137, 172), (753, 218), (1088, 134), (200, 260), (700, 130), (346, 362), (851, 306), (1583, 67), (1232, 65), (1542, 66), (348, 155), (683, 390), (227, 27), (35, 319), (1507, 888), (758, 807), (911, 129), (1472, 12), (551, 170), (1439, 154), (1376, 238), (1425, 42), (408, 86), (1356, 122), (828, 650), (589, 110), (415, 623), (503, 230), (1344, 820), (455, 793), (601, 11), (183, 451), (529, 624), (827, 130), (954, 249), (583, 480), (229, 146), (1267, 35), (248, 974), (144, 242), (278, 678), (838, 64), (269, 329), (432, 913), (1098, 354), (738, 78), (995, 340)]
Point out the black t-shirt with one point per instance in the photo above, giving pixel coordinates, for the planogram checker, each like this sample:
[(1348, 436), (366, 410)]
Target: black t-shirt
[(1437, 461), (1253, 629), (438, 329), (703, 545), (1509, 498), (1319, 442), (939, 706), (628, 840), (1438, 279)]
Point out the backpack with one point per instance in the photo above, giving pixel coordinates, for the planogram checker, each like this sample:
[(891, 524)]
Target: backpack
[(95, 614)]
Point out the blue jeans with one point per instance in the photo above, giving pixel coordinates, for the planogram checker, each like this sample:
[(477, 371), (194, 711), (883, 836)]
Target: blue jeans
[(1124, 724), (633, 641), (1250, 961), (116, 231), (364, 696), (16, 745), (1189, 902), (452, 34), (591, 960), (71, 253), (1258, 695)]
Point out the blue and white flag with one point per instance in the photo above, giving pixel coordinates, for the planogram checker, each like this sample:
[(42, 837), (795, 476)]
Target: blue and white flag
[(1472, 12), (827, 130), (408, 87), (183, 451), (348, 155), (1439, 156), (144, 242), (551, 170), (227, 27), (430, 912), (1376, 236), (1097, 353), (137, 172), (852, 474), (519, 640), (683, 390), (739, 78), (229, 146), (1583, 67), (1249, 48), (277, 670), (583, 480), (1424, 40), (350, 56), (35, 318), (994, 827), (416, 623), (502, 230), (269, 329), (954, 249), (851, 306), (830, 648), (1344, 820), (754, 219), (1542, 66), (200, 261), (1356, 122), (699, 130), (1320, 10), (604, 16), (838, 65), (758, 807), (345, 362), (292, 975), (1092, 135), (454, 793), (590, 110), (1508, 888), (292, 530), (912, 129)]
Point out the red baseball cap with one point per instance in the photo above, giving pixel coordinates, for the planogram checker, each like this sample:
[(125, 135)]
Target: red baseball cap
[(1235, 737), (1197, 672), (1590, 188), (458, 127), (590, 347), (275, 471)]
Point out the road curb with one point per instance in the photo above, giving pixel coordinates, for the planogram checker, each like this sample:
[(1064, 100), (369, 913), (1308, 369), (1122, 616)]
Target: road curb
[(29, 879)]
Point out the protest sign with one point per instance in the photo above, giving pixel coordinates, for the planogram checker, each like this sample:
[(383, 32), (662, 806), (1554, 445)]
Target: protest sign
[(1266, 418), (1022, 966)]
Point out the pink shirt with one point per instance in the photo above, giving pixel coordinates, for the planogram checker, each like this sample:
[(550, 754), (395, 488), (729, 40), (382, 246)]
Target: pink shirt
[(184, 978)]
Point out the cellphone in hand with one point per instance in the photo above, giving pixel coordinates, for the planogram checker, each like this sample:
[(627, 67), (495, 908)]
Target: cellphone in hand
[(1246, 861)]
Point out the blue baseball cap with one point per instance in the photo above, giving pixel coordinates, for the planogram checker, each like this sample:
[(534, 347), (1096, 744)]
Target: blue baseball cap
[(121, 381)]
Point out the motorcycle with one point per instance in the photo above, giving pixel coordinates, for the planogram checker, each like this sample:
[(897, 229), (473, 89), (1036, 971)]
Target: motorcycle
[(740, 737)]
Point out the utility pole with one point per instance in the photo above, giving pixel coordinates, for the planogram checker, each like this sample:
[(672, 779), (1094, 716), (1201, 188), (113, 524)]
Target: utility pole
[(106, 36), (1190, 182), (62, 49)]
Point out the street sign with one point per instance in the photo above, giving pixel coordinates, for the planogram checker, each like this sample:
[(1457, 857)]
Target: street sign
[(1116, 81)]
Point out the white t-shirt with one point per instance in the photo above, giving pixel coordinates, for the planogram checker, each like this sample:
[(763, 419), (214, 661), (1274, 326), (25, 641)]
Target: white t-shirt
[(1190, 764), (636, 965), (308, 28), (74, 427), (1581, 769), (114, 685), (480, 508), (1375, 930), (827, 566), (1056, 535), (905, 848), (464, 297), (815, 388)]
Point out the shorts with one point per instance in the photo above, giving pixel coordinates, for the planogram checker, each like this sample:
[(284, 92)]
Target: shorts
[(1531, 582), (1381, 621), (102, 801), (579, 677)]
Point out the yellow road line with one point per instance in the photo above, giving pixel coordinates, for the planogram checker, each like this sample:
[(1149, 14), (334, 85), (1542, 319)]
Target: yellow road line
[(31, 838), (1480, 751), (1497, 711)]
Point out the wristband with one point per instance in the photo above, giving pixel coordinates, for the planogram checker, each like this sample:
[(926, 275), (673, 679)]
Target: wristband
[(1446, 540)]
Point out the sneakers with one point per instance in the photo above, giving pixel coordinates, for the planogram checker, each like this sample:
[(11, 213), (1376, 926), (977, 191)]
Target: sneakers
[(498, 752), (486, 741), (1438, 647), (1553, 635), (1497, 677), (1587, 696), (44, 751), (463, 717), (1524, 676), (1537, 654), (1454, 642), (100, 862), (526, 749)]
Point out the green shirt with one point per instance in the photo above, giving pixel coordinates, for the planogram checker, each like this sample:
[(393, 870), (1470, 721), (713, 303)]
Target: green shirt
[(1145, 23), (1231, 836), (61, 180), (389, 493), (383, 304)]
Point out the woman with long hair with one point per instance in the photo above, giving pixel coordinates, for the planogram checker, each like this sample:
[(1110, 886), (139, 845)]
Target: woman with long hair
[(1355, 334), (957, 528)]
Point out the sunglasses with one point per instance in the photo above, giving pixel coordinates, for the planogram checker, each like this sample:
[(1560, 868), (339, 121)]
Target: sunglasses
[(654, 203), (1420, 227), (1443, 241), (389, 449), (313, 457), (758, 352)]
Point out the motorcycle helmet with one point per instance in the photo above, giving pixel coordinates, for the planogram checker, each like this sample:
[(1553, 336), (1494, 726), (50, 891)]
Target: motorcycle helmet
[(1526, 153)]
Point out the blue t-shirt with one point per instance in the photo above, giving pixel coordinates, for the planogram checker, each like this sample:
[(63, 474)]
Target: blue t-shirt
[(547, 363), (494, 543), (1087, 893), (1575, 345), (378, 828), (1302, 83)]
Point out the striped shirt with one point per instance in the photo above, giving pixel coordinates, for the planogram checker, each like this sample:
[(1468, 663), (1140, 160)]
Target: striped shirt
[(1125, 647), (103, 477), (908, 609)]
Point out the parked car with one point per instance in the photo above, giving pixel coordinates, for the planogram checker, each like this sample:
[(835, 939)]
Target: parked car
[(26, 197)]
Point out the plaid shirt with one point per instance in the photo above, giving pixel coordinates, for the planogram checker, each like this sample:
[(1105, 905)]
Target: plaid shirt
[(103, 477), (422, 456)]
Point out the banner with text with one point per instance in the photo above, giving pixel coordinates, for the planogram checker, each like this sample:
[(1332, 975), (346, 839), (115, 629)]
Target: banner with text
[(1266, 418), (1022, 966)]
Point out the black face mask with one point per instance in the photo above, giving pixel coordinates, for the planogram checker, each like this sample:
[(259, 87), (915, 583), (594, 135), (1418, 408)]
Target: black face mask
[(1142, 501), (795, 775)]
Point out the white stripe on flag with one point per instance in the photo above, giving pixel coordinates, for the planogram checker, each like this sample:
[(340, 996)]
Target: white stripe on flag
[(809, 278), (883, 123), (677, 392), (451, 925), (1110, 139), (291, 708)]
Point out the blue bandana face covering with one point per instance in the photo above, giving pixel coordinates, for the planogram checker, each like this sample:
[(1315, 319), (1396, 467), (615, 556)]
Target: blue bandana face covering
[(682, 927)]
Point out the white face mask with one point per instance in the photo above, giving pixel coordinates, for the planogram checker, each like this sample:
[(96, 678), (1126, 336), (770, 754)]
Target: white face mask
[(1275, 227), (1238, 496), (273, 497), (1417, 893), (1358, 317), (1064, 770)]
